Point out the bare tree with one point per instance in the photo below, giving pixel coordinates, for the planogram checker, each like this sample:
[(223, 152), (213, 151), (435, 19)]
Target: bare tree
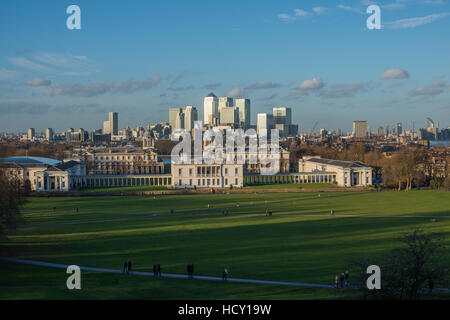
[(410, 270)]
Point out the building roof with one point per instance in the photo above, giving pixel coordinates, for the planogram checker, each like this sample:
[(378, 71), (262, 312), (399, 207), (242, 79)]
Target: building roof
[(211, 95), (67, 165), (339, 163), (31, 160)]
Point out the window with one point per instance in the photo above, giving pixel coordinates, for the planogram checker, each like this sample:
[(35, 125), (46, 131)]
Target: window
[(179, 182), (226, 170), (190, 182), (179, 171), (190, 172), (226, 181), (236, 171), (236, 182)]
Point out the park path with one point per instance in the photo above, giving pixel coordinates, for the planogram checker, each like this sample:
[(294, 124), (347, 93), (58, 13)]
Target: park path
[(168, 275)]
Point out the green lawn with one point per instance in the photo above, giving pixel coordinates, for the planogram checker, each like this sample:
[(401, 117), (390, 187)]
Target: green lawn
[(294, 186), (124, 189), (301, 242)]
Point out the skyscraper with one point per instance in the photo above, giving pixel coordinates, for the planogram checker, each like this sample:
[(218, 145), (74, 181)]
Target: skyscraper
[(210, 109), (243, 106), (173, 115), (264, 122), (360, 129), (225, 102), (282, 118), (111, 126), (190, 116), (49, 134), (229, 116), (399, 129), (31, 134)]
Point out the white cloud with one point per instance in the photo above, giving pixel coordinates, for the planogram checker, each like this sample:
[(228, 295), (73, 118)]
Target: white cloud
[(307, 86), (236, 92), (301, 13), (263, 85), (99, 88), (8, 74), (348, 8), (433, 89), (417, 21), (395, 74), (285, 17), (319, 10), (38, 82), (28, 64)]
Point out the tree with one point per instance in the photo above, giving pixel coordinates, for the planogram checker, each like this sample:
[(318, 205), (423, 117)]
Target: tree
[(407, 271), (11, 194)]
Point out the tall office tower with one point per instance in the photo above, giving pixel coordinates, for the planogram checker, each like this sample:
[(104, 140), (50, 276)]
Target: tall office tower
[(243, 106), (111, 126), (229, 116), (114, 123), (225, 102), (31, 134), (264, 122), (210, 109), (380, 131), (388, 130), (190, 116), (399, 129), (49, 134), (282, 118), (179, 122), (359, 129), (173, 114)]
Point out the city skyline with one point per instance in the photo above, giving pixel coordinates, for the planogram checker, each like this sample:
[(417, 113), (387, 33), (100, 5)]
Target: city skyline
[(321, 61)]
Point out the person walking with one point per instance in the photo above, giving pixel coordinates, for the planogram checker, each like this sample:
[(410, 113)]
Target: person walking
[(154, 270), (341, 280), (332, 212), (336, 282), (159, 270), (125, 267), (346, 279), (129, 266), (225, 274)]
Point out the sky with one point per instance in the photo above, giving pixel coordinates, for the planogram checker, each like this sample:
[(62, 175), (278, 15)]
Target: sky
[(140, 58)]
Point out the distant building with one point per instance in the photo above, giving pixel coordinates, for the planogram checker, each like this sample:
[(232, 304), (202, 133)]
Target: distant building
[(282, 118), (31, 134), (111, 126), (122, 161), (264, 122), (399, 129), (49, 134), (360, 129), (343, 173), (190, 116), (173, 116), (210, 109), (207, 175), (229, 116), (243, 105)]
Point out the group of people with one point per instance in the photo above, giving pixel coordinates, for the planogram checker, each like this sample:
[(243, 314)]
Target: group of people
[(157, 270), (127, 267), (341, 280), (190, 270)]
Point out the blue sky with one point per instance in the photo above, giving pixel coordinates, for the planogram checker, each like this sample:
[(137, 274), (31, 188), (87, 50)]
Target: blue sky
[(141, 57)]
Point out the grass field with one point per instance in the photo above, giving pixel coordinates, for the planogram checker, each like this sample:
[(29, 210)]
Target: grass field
[(301, 242)]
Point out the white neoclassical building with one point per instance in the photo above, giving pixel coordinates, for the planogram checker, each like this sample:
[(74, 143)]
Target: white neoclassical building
[(207, 175), (346, 173)]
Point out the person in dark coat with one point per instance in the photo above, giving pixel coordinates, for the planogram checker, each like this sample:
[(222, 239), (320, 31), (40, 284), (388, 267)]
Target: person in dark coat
[(159, 270), (125, 267), (129, 266), (341, 280), (346, 279), (154, 270)]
